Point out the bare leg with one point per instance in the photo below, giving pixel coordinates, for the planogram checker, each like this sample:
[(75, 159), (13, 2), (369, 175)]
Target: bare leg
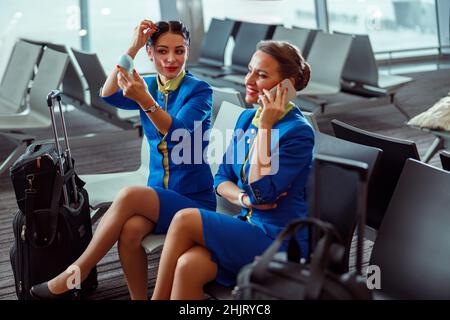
[(185, 232), (194, 269), (130, 201), (133, 257)]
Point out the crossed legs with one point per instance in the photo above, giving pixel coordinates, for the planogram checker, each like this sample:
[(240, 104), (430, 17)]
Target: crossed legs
[(185, 265), (132, 205)]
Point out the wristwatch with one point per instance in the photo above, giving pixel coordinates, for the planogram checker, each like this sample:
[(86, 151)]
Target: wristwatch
[(152, 108)]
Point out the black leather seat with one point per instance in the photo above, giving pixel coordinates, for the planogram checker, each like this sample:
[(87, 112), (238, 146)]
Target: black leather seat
[(339, 188), (412, 249), (395, 153), (212, 52)]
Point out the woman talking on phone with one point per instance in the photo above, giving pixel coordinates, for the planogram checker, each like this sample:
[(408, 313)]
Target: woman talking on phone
[(275, 149), (172, 102)]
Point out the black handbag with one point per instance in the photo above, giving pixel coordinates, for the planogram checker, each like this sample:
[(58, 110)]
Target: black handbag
[(272, 277)]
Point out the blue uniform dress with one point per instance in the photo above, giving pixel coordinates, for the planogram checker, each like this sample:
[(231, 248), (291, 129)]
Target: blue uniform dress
[(235, 241), (177, 173)]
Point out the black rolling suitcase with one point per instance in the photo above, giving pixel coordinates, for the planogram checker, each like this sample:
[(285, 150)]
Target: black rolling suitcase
[(53, 225)]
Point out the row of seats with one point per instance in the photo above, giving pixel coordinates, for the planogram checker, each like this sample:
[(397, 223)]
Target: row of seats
[(34, 69), (351, 68), (400, 187), (79, 75), (389, 161), (407, 200)]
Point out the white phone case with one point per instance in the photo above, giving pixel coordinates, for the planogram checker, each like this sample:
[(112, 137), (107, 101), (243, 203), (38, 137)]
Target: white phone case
[(286, 83)]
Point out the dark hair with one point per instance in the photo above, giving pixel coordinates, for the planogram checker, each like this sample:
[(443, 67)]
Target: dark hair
[(176, 27), (290, 60)]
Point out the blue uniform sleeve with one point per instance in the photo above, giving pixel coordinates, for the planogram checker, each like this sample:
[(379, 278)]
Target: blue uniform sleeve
[(294, 155), (119, 101), (192, 113)]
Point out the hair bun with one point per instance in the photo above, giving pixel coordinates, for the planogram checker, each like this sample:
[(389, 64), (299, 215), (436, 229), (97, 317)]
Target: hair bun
[(304, 75)]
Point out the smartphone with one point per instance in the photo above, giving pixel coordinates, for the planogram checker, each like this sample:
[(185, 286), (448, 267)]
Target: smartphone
[(285, 84)]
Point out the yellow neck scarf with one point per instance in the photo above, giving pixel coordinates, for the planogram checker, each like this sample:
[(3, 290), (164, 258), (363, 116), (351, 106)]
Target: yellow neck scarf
[(170, 85), (289, 106)]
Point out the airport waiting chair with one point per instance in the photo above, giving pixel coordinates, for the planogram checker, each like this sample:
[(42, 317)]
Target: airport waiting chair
[(441, 141), (395, 154), (18, 73), (445, 160), (339, 188), (310, 117), (361, 70), (225, 94), (226, 120), (248, 35), (412, 249), (103, 188), (95, 77), (73, 91), (327, 70), (72, 86), (212, 52), (309, 41), (298, 37), (36, 115)]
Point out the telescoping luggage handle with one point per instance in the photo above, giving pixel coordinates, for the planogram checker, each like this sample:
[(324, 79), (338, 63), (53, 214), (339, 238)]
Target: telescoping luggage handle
[(55, 94)]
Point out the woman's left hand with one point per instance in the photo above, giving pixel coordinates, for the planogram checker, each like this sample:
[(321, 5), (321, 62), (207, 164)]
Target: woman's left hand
[(273, 106), (133, 87)]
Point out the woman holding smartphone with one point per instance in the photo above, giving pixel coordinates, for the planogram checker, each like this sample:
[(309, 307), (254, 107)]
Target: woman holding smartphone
[(270, 163), (172, 101)]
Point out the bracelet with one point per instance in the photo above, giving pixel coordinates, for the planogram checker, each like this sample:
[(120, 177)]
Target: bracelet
[(241, 199), (152, 108)]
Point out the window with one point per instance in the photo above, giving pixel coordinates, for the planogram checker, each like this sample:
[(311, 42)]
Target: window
[(112, 24), (288, 12), (391, 24), (51, 20)]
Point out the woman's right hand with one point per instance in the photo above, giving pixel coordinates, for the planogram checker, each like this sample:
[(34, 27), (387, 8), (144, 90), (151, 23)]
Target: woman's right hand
[(247, 202), (141, 34)]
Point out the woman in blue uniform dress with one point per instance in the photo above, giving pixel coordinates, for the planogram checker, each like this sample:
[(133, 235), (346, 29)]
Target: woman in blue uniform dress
[(172, 104), (271, 160)]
